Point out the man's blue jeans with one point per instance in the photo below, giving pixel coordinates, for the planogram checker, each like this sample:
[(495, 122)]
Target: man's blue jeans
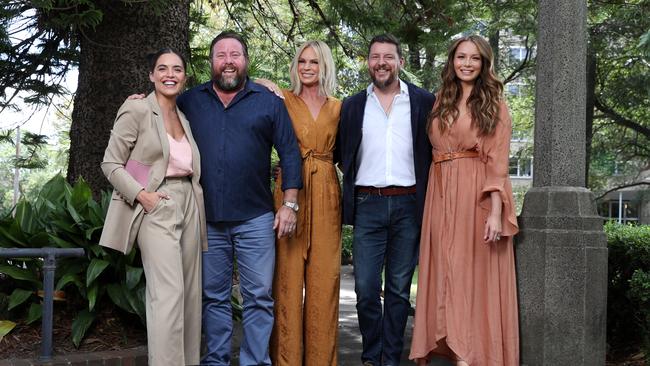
[(253, 243), (386, 230)]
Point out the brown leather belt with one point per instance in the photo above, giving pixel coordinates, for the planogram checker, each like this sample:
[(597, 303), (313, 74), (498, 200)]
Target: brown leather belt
[(440, 157), (387, 191)]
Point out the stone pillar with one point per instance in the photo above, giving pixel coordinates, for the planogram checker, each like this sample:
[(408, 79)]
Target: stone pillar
[(561, 249)]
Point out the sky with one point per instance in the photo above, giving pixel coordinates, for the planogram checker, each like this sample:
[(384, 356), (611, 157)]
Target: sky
[(40, 120)]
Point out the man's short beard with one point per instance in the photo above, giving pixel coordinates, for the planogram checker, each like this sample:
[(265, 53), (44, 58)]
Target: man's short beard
[(381, 85), (230, 84)]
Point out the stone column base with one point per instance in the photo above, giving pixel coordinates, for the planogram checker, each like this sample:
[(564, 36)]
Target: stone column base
[(561, 254)]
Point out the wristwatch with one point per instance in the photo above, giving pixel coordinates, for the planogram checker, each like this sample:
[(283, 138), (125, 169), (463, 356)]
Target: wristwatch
[(292, 205)]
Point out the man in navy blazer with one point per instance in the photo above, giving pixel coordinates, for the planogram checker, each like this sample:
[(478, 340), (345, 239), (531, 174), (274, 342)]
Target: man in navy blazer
[(385, 156)]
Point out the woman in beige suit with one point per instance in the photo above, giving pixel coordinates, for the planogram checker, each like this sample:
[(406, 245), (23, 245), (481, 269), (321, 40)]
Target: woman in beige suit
[(153, 163)]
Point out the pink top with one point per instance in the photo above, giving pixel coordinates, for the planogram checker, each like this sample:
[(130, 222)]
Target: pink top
[(180, 158)]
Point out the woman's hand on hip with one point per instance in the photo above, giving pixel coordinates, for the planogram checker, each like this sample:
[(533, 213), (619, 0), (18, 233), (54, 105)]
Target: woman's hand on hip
[(149, 200)]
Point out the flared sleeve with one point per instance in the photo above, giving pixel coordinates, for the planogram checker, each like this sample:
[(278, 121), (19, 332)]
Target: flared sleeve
[(496, 155)]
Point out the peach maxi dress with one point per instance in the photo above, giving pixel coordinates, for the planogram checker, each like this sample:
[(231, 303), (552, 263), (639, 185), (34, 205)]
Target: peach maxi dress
[(467, 299), (306, 327)]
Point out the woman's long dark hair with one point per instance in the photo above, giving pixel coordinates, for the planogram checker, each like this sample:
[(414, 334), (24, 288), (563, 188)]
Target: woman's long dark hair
[(483, 102)]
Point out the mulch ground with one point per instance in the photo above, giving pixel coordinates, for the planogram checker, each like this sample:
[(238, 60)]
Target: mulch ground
[(109, 332)]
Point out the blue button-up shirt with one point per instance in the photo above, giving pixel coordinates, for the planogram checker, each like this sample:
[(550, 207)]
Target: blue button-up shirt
[(235, 145)]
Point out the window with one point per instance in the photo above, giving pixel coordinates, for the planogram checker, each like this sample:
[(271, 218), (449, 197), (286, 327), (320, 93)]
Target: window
[(518, 53), (519, 135), (629, 214), (514, 166), (521, 167), (514, 89)]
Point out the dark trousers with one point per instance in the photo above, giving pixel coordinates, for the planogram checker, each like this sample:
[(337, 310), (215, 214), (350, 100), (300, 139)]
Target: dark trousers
[(386, 231)]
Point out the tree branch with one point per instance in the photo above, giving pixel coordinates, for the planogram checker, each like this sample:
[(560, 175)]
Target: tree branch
[(524, 64), (621, 187), (266, 31), (620, 120), (329, 25)]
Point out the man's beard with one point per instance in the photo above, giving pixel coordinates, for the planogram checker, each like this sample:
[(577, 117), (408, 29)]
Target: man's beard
[(229, 83), (383, 84)]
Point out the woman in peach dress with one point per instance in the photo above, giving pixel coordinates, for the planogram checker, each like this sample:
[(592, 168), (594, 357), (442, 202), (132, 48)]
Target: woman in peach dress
[(466, 307)]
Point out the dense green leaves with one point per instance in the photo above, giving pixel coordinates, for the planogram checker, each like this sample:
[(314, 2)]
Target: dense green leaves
[(80, 325), (133, 276), (19, 273), (35, 313), (618, 33), (66, 216), (96, 267), (5, 327), (628, 295), (18, 297)]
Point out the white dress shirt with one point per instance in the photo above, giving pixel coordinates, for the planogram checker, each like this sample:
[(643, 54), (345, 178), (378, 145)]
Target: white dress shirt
[(385, 156)]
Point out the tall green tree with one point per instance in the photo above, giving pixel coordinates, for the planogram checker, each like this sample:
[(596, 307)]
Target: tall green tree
[(107, 40), (112, 65), (619, 88)]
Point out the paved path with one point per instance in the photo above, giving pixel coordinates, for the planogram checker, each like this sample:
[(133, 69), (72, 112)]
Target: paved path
[(349, 336), (349, 342)]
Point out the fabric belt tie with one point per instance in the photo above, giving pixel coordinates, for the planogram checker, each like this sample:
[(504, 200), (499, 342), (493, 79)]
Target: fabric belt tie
[(387, 191), (310, 161), (438, 158)]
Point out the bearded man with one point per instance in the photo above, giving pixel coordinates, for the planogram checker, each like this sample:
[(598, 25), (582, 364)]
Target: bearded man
[(385, 154), (235, 123)]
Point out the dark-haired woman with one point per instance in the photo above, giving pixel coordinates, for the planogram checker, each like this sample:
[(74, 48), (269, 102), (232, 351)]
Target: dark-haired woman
[(466, 307), (153, 163)]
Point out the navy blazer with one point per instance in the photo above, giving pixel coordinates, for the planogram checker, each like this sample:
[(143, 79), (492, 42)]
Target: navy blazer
[(349, 140)]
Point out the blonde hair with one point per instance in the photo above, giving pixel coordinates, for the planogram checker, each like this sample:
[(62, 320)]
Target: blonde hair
[(326, 69), (486, 96)]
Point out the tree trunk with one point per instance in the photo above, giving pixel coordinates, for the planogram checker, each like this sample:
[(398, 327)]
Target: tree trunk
[(429, 77), (493, 34), (113, 66), (414, 57), (494, 39)]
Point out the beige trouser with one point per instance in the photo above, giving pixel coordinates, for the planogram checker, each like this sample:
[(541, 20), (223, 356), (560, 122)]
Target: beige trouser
[(169, 241)]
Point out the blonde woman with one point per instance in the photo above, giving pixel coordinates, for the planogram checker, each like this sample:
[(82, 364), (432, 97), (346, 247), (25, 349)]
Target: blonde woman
[(466, 307), (305, 327)]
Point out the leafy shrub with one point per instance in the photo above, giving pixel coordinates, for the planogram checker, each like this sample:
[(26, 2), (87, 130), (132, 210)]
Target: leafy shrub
[(628, 293), (346, 244), (66, 216)]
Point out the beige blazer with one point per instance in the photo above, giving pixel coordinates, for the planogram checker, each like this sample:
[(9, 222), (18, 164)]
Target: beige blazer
[(137, 157)]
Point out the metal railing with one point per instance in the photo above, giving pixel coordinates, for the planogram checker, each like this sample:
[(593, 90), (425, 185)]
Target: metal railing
[(49, 255)]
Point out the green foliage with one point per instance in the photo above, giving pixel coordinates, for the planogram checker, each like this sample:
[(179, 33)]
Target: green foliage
[(346, 244), (5, 327), (41, 157), (276, 28), (39, 41), (66, 216), (644, 43), (618, 34), (18, 297), (628, 293)]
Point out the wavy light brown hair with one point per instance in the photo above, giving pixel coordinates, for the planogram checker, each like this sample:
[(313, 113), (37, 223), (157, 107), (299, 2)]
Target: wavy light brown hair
[(483, 102)]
